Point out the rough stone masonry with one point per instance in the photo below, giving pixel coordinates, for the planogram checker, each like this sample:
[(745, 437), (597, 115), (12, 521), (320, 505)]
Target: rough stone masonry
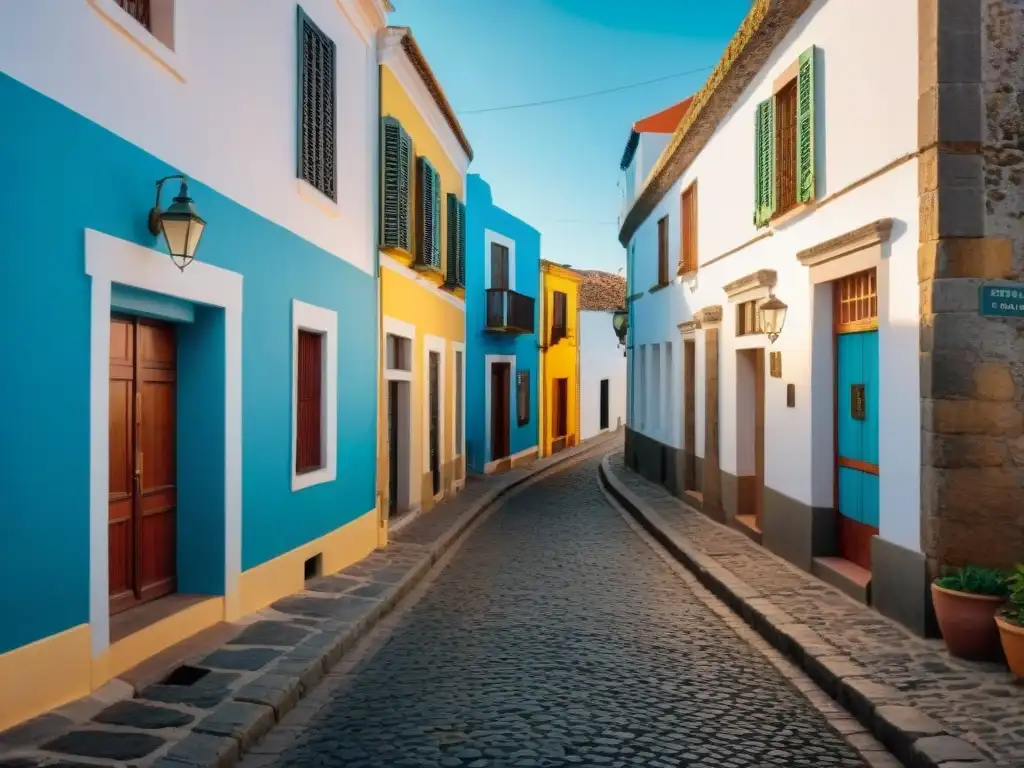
[(971, 188)]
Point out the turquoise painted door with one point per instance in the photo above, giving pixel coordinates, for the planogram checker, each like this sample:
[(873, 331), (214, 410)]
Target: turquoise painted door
[(857, 417)]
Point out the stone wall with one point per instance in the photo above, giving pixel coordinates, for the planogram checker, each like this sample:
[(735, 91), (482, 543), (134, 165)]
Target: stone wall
[(971, 98)]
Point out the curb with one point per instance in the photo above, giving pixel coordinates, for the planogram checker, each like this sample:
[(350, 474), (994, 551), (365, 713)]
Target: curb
[(912, 736), (223, 736)]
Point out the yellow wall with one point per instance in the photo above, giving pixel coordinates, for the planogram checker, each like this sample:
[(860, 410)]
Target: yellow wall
[(416, 298), (560, 360)]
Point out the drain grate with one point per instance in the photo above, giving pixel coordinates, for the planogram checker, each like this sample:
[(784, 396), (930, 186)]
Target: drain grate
[(186, 675)]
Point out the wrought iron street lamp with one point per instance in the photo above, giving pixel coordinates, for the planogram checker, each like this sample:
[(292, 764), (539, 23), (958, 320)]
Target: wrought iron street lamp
[(772, 315), (180, 224), (620, 322)]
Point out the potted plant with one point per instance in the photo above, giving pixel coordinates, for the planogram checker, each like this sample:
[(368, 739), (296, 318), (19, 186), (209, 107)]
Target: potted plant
[(1011, 623), (966, 601)]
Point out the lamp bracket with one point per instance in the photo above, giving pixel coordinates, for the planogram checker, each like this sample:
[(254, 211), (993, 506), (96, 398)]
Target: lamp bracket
[(155, 212)]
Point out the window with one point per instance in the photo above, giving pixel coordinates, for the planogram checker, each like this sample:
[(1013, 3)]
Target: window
[(688, 245), (856, 302), (428, 215), (314, 395), (138, 10), (642, 389), (522, 398), (559, 317), (398, 353), (747, 320), (663, 251), (395, 184), (458, 402), (784, 145), (499, 266), (455, 268), (317, 143)]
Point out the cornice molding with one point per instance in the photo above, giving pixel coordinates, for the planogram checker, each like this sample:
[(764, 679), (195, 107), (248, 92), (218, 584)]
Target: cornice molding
[(764, 28), (709, 316), (568, 273), (688, 326), (763, 278), (875, 233), (368, 17)]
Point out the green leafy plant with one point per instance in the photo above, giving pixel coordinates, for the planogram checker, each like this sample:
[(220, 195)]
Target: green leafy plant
[(1014, 610), (977, 581)]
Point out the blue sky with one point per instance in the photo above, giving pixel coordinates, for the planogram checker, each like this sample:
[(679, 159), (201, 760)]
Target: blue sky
[(556, 166)]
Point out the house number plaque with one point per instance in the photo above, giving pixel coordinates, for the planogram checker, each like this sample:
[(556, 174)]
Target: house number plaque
[(858, 402)]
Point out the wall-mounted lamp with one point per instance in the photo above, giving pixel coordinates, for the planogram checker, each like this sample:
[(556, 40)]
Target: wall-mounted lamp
[(772, 314), (181, 225), (620, 322)]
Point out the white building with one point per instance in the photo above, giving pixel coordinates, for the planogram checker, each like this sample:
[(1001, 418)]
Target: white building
[(818, 153), (602, 362)]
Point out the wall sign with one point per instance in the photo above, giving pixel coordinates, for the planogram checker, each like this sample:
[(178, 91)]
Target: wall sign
[(775, 364), (791, 395), (1001, 300)]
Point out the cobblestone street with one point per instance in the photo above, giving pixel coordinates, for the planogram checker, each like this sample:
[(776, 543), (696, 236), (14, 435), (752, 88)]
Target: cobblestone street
[(557, 636)]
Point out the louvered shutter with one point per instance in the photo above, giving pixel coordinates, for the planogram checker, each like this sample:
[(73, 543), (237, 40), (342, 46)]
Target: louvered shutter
[(317, 141), (435, 214), (461, 261), (426, 222), (451, 268), (396, 151), (805, 182), (764, 163)]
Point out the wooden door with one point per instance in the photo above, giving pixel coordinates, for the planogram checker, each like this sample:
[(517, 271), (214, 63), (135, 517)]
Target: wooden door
[(143, 485), (759, 438), (559, 413), (501, 374), (690, 413), (435, 421), (499, 266), (392, 448)]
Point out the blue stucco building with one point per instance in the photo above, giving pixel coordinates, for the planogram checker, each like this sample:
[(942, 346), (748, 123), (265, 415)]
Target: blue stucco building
[(502, 318)]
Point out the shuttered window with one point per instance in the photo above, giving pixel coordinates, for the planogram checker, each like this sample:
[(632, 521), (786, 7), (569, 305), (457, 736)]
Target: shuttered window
[(747, 320), (784, 145), (317, 140), (522, 397), (396, 175), (663, 251), (455, 268), (499, 266), (309, 403), (688, 246), (559, 317), (137, 9), (428, 215)]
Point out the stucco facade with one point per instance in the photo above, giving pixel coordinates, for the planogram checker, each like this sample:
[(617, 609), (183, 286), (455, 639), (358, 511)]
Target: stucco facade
[(423, 311), (241, 522), (502, 313), (559, 323), (602, 375)]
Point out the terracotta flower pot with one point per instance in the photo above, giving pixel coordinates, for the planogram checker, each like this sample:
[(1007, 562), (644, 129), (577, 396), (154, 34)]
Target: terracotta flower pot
[(966, 622), (1012, 636)]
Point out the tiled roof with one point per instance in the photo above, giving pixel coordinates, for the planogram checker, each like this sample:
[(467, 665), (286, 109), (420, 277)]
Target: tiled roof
[(601, 291), (665, 121)]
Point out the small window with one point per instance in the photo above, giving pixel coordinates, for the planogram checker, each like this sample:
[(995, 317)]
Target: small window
[(309, 419), (317, 132), (399, 353), (559, 317), (499, 266), (663, 251), (523, 397), (785, 148), (688, 216), (747, 320)]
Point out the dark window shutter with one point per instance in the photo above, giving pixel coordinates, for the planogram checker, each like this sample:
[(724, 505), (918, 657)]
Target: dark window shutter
[(805, 182), (138, 10), (499, 266), (308, 418), (317, 141), (764, 163), (396, 152), (461, 261), (451, 268), (435, 214), (428, 205)]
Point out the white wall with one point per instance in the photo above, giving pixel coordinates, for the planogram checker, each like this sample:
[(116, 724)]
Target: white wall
[(866, 114), (221, 105), (600, 358)]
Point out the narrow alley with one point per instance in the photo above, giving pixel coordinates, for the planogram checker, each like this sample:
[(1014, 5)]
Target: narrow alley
[(557, 636)]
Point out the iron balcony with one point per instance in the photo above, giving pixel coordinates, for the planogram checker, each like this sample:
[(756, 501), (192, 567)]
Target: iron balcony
[(509, 312)]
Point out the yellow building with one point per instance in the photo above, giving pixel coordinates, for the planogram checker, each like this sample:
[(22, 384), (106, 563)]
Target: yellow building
[(560, 359), (424, 157)]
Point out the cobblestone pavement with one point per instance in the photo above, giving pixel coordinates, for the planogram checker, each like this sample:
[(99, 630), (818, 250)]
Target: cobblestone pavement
[(557, 636), (976, 701)]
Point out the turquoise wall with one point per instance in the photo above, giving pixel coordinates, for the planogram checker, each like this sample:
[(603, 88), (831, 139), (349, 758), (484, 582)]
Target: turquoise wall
[(61, 175)]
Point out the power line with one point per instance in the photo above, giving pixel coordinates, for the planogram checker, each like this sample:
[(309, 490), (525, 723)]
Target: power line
[(585, 95)]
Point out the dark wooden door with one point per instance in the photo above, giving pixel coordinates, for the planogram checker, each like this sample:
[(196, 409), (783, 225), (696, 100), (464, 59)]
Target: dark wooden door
[(435, 426), (560, 413), (690, 413), (143, 484), (499, 266), (501, 375), (392, 448), (604, 404), (759, 438)]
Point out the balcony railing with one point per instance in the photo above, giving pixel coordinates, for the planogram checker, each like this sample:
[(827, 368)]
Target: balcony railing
[(508, 311)]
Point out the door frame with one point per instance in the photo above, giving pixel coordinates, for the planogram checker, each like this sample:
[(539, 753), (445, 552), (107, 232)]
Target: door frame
[(110, 260), (496, 404), (438, 345), (490, 360), (459, 416), (401, 329)]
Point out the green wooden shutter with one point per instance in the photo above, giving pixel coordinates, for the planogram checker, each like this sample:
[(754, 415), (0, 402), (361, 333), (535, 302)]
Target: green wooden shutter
[(317, 144), (451, 269), (436, 215), (426, 221), (764, 163), (396, 151), (461, 261), (805, 184)]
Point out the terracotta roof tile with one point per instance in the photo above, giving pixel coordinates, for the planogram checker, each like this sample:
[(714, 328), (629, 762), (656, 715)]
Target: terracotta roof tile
[(665, 121), (601, 291)]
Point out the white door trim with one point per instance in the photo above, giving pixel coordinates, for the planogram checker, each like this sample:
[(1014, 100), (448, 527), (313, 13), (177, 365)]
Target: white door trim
[(434, 344), (459, 347), (112, 260)]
